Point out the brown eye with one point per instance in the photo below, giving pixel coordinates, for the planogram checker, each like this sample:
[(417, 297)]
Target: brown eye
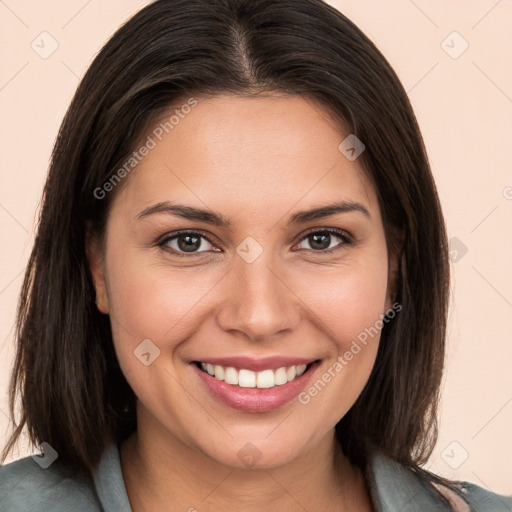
[(186, 242), (325, 240)]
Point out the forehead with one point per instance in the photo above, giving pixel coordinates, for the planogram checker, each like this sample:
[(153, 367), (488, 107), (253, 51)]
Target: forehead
[(247, 152)]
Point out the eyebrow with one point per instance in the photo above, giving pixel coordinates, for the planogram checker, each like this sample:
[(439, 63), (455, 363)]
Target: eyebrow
[(217, 219)]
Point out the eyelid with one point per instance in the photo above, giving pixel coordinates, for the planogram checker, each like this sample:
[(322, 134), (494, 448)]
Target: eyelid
[(340, 233), (347, 239), (337, 231), (175, 234)]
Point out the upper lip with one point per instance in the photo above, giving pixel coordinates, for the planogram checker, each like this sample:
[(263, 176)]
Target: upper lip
[(256, 364)]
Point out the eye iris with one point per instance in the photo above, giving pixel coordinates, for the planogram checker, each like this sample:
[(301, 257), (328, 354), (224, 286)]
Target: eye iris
[(320, 241), (192, 243)]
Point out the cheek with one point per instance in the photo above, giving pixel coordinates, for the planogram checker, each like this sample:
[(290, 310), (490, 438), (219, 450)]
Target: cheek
[(154, 299), (149, 300), (153, 302), (348, 308), (350, 300), (356, 308)]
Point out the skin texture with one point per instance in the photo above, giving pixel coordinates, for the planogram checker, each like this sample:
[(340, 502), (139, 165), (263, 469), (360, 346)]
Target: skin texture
[(256, 161)]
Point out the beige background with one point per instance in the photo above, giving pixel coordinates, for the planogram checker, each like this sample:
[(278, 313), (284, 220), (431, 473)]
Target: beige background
[(464, 107)]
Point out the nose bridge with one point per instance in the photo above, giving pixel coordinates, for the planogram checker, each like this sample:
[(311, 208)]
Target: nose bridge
[(258, 303)]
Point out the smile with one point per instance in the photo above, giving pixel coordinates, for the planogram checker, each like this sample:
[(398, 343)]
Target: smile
[(269, 385), (244, 378)]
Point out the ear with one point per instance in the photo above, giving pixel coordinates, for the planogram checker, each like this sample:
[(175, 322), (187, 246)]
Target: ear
[(95, 259), (394, 266)]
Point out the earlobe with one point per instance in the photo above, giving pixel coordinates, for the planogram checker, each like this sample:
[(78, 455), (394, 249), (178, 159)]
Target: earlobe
[(97, 268), (102, 301)]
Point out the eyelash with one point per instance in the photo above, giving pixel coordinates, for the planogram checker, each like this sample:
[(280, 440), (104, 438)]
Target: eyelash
[(346, 240)]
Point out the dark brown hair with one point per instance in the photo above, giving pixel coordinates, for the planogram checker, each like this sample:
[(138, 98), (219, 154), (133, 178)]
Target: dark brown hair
[(73, 393)]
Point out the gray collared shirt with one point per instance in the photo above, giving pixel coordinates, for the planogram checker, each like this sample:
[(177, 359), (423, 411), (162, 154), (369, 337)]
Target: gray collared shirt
[(26, 487)]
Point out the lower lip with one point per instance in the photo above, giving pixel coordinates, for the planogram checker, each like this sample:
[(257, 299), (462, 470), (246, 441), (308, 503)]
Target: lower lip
[(255, 399)]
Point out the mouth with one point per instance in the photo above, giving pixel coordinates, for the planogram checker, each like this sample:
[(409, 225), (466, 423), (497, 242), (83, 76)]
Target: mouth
[(254, 391), (244, 378)]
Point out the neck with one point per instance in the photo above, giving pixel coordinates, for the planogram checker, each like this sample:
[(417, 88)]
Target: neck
[(160, 470)]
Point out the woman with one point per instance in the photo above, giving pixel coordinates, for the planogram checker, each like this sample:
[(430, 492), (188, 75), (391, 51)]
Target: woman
[(237, 295)]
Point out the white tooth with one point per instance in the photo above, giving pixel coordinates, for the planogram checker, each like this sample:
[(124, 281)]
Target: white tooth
[(249, 379), (219, 372), (301, 368), (231, 376), (265, 379), (280, 376), (246, 379), (291, 373)]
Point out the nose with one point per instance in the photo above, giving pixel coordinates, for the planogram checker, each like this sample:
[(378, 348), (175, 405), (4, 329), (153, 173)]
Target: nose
[(259, 303)]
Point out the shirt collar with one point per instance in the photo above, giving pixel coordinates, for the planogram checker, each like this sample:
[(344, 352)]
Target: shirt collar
[(109, 482), (393, 486)]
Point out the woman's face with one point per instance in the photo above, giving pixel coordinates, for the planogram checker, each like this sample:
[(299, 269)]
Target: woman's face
[(257, 284)]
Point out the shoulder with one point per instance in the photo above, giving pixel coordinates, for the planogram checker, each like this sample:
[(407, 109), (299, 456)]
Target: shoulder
[(481, 499), (26, 486), (398, 487)]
